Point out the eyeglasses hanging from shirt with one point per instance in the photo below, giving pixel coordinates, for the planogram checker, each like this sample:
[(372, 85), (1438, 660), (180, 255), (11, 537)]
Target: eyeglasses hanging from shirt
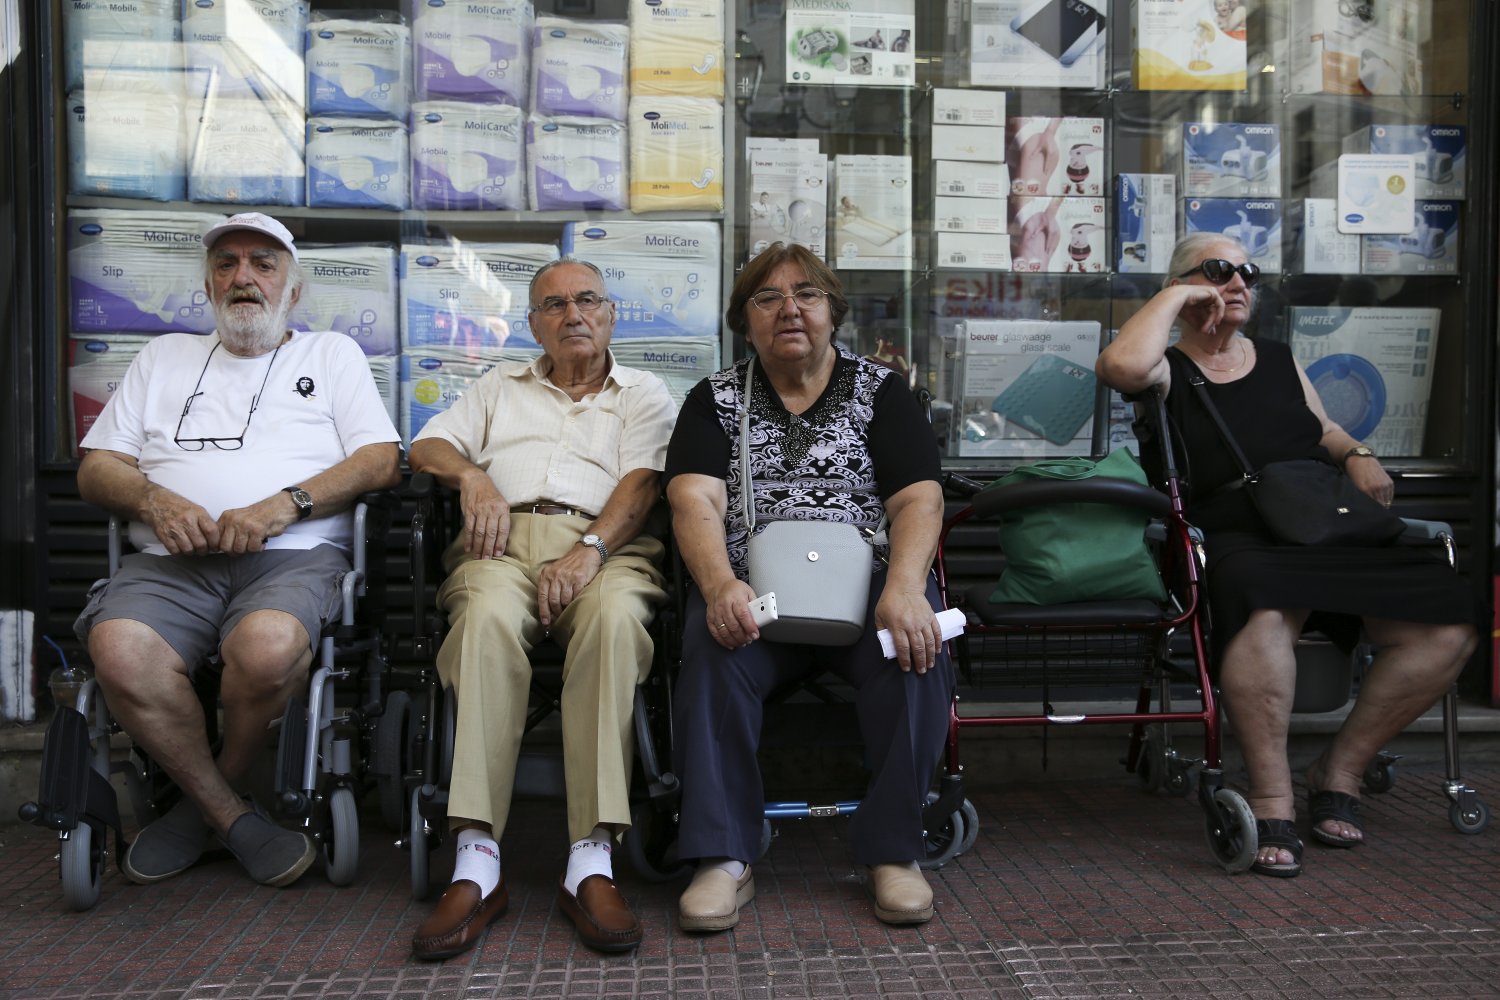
[(223, 443)]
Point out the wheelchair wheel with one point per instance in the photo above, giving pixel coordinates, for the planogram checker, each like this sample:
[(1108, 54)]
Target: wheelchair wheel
[(81, 859), (1229, 827), (943, 844), (651, 843), (1380, 776), (393, 758), (1151, 765), (766, 836), (416, 844), (971, 826), (446, 735), (341, 842), (1471, 820)]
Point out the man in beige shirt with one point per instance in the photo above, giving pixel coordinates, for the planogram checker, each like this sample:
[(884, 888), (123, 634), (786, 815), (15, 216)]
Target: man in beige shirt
[(557, 464)]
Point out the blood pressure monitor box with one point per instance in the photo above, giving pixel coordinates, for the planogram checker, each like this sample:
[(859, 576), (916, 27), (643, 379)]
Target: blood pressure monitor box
[(1430, 248), (351, 289), (1365, 48), (1056, 156), (1145, 222), (1255, 222), (1037, 43), (138, 272), (1058, 235), (663, 276), (1231, 160), (1189, 44), (1440, 153)]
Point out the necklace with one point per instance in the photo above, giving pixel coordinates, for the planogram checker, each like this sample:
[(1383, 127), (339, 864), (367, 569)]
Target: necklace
[(1244, 354)]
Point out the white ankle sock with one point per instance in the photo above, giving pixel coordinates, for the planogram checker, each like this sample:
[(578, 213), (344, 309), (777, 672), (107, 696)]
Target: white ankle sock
[(478, 860), (590, 856), (734, 869)]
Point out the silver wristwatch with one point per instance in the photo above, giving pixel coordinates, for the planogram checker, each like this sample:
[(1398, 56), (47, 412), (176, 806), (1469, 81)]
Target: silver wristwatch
[(302, 499), (596, 542), (1359, 451)]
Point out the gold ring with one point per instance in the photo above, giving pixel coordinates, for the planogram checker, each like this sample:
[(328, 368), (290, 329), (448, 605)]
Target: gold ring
[(722, 626)]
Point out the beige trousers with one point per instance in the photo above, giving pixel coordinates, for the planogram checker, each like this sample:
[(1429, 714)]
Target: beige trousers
[(492, 620)]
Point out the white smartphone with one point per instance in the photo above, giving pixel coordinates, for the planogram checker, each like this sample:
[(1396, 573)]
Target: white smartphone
[(763, 608)]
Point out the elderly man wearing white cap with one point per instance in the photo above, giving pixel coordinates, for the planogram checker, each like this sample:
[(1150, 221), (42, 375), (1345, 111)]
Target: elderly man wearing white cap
[(235, 457)]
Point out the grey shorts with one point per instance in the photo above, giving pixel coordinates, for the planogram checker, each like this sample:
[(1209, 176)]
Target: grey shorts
[(193, 602)]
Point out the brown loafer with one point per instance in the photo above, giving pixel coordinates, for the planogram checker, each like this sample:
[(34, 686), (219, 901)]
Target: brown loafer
[(600, 913), (458, 921)]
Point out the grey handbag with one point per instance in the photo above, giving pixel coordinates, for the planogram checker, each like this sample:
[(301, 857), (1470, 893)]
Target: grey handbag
[(818, 570)]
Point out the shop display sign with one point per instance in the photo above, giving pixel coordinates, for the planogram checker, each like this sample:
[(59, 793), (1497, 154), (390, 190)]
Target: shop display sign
[(865, 42)]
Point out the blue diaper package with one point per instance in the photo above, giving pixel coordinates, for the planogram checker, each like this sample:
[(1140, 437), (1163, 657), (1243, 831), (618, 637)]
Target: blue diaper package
[(357, 67), (356, 163), (138, 272), (468, 296)]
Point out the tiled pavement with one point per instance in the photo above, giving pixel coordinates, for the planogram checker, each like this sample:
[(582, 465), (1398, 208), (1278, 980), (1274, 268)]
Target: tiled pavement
[(1076, 888)]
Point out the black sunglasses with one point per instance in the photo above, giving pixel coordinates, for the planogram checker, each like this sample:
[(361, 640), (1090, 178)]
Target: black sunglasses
[(1221, 272)]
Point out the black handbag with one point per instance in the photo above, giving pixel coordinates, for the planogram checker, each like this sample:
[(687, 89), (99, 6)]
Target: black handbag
[(1305, 501)]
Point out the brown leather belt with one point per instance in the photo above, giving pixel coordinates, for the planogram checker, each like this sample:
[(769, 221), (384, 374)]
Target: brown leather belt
[(550, 508)]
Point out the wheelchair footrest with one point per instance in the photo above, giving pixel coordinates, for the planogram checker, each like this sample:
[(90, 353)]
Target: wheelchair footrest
[(289, 749)]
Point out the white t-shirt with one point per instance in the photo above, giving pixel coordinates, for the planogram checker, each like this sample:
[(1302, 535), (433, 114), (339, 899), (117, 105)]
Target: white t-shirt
[(319, 405)]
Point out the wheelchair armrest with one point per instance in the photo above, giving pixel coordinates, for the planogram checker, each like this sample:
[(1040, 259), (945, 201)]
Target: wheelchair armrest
[(421, 484), (1117, 492), (116, 542), (1424, 531), (1156, 531), (961, 486)]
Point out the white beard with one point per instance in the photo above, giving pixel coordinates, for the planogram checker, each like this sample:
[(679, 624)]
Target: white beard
[(250, 329)]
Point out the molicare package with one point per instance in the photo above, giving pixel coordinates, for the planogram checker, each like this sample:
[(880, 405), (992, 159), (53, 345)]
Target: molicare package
[(118, 34), (244, 47), (1430, 248), (663, 276), (430, 384), (1230, 160), (680, 362), (352, 289), (96, 366), (1056, 156), (1440, 153), (574, 162), (467, 157), (578, 68), (246, 151), (138, 272), (471, 50), (1058, 235), (357, 66), (1372, 368), (1037, 43), (1189, 44), (1356, 48), (356, 163), (676, 154), (872, 213), (128, 141), (677, 48), (467, 295), (1145, 222), (1255, 222)]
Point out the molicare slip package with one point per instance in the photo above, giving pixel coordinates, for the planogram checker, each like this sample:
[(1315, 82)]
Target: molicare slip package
[(1255, 222), (676, 154), (467, 157), (357, 66), (1037, 43), (128, 140), (1338, 47), (1439, 152), (241, 48), (1189, 44), (680, 362), (352, 289), (119, 34), (468, 296), (1058, 235), (677, 48), (96, 366), (356, 163), (1056, 156), (578, 68), (872, 213), (574, 162), (430, 384), (663, 276), (1145, 222), (246, 151), (471, 50), (1431, 247), (1230, 160), (138, 272)]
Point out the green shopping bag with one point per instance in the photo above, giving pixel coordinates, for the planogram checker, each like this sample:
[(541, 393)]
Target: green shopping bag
[(1068, 552)]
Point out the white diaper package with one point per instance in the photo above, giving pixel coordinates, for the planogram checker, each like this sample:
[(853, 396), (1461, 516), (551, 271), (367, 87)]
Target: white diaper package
[(1058, 235), (247, 46), (118, 34), (467, 157), (1440, 154), (663, 276), (471, 50), (1231, 160), (680, 362), (357, 67), (246, 151), (677, 48), (468, 296), (351, 288), (1255, 222), (128, 141), (676, 154), (96, 366), (1145, 222), (1056, 156), (1431, 247), (430, 384), (578, 68), (574, 162), (872, 211), (137, 272), (356, 163)]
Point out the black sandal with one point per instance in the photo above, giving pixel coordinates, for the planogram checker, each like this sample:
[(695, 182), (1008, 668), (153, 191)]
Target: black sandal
[(1325, 805), (1281, 834)]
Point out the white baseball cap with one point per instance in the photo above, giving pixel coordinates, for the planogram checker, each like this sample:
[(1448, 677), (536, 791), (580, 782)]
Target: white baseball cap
[(256, 222)]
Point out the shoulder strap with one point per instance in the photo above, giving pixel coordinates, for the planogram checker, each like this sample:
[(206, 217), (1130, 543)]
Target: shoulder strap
[(1200, 386)]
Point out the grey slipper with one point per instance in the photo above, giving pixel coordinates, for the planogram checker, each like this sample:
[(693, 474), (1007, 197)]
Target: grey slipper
[(169, 846), (273, 855)]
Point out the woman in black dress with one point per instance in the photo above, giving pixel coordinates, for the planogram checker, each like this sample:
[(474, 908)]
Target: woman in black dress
[(1262, 593)]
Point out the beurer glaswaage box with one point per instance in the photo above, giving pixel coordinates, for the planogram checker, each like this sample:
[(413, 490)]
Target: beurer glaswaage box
[(1440, 153), (1430, 248), (1255, 222), (1231, 160)]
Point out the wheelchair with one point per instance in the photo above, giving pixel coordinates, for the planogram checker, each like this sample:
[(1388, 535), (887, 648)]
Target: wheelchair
[(318, 772), (413, 758)]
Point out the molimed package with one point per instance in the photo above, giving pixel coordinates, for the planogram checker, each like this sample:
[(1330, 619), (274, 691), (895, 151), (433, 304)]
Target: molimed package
[(248, 151), (138, 272), (118, 34), (234, 47), (663, 276), (356, 163), (1255, 222), (471, 50), (1440, 153), (1430, 248), (574, 162), (467, 157), (1230, 160), (352, 289), (468, 295), (128, 140), (578, 68), (1145, 222), (676, 154), (357, 66)]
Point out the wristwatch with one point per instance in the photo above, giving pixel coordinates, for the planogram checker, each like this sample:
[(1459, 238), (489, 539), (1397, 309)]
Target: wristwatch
[(1358, 451), (596, 542), (302, 499)]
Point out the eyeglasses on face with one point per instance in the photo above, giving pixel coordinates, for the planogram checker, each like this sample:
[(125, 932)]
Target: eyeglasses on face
[(1221, 272), (769, 300), (556, 305)]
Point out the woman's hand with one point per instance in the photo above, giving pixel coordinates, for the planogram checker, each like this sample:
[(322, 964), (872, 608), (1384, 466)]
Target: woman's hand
[(1202, 306), (728, 618), (913, 626), (1367, 474)]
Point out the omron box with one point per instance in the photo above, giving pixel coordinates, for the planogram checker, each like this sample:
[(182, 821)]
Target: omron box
[(971, 250), (958, 179), (1073, 227), (968, 107), (1430, 248), (968, 142), (1056, 156), (1230, 160), (1255, 222), (1440, 153), (1323, 249), (1145, 222), (1188, 46), (1367, 48), (969, 215)]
